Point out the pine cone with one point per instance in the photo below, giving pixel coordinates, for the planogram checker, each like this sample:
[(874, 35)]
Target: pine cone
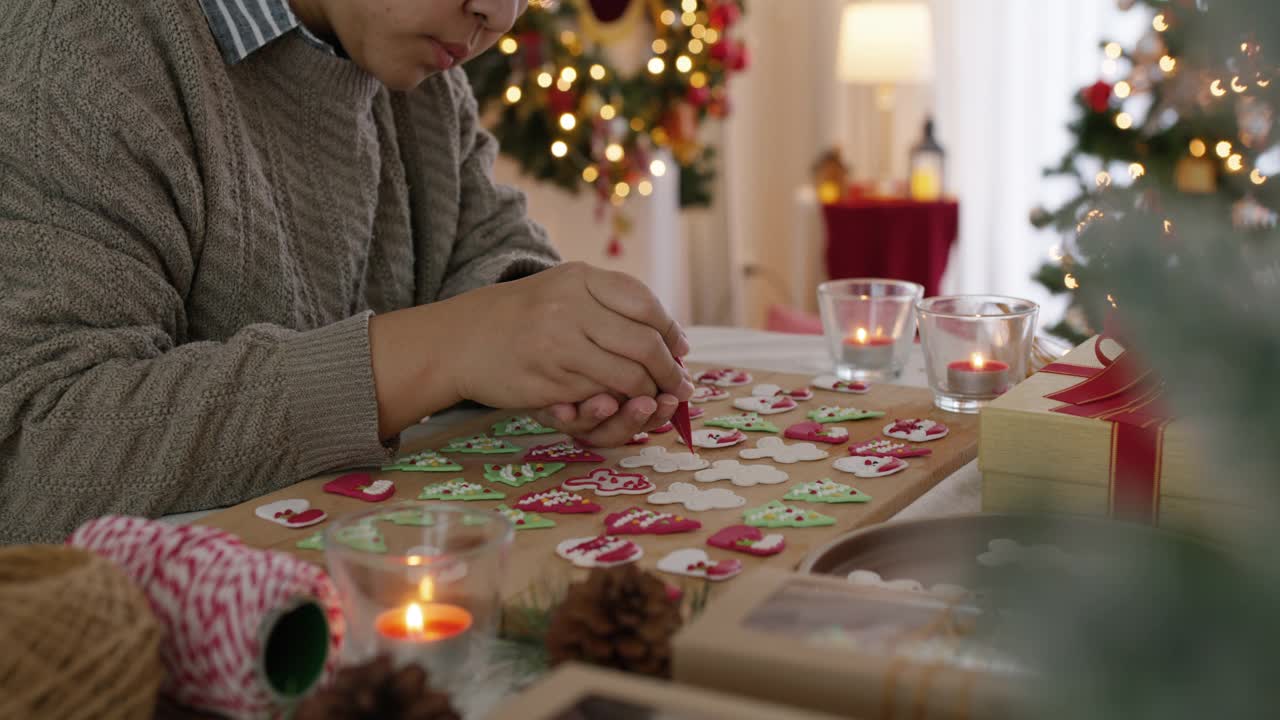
[(620, 617), (377, 690)]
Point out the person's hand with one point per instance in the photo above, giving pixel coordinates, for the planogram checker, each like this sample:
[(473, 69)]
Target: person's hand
[(563, 335), (602, 421)]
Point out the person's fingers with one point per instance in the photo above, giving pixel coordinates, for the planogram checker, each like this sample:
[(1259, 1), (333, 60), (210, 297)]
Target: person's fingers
[(667, 405), (641, 344), (587, 415), (619, 374), (631, 298), (619, 429), (563, 412)]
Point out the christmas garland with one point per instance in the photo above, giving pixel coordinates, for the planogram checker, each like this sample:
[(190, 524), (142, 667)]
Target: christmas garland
[(567, 116)]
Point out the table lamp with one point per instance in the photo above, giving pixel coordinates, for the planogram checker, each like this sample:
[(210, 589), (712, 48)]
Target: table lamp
[(885, 44)]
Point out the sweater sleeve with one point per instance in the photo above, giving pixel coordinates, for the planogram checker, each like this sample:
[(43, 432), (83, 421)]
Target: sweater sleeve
[(496, 239), (106, 406)]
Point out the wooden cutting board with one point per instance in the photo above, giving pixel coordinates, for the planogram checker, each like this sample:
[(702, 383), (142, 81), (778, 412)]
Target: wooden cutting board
[(533, 555)]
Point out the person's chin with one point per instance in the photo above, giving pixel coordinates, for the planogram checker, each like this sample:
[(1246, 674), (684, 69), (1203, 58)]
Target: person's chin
[(406, 79)]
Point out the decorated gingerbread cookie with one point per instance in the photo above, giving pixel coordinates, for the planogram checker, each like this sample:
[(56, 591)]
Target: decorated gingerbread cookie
[(565, 451), (768, 390), (556, 501), (697, 499), (479, 445), (415, 517), (425, 461), (870, 466), (749, 540), (723, 377), (664, 461), (314, 541), (772, 448), (817, 432), (746, 422), (524, 520), (825, 491), (741, 475), (459, 490), (693, 562), (712, 439), (602, 551), (776, 514), (708, 393), (517, 475), (361, 486), (642, 521), (364, 536), (888, 448), (521, 425), (294, 513), (835, 384), (916, 430), (607, 482), (765, 405), (835, 414)]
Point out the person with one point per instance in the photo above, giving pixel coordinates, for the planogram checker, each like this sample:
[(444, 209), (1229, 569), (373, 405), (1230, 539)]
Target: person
[(248, 241)]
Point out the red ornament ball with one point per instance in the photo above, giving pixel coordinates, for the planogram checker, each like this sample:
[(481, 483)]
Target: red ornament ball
[(1098, 96), (724, 15), (699, 95)]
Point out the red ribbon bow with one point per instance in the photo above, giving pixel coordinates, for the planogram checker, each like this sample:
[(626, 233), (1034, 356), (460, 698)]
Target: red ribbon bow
[(1129, 396)]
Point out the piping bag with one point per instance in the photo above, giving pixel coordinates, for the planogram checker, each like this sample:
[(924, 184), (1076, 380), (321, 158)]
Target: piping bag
[(680, 419)]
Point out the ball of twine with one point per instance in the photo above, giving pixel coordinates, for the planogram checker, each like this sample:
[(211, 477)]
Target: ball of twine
[(80, 639)]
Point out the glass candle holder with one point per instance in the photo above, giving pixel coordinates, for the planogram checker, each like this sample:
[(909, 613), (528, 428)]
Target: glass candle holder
[(975, 347), (422, 583), (870, 325)]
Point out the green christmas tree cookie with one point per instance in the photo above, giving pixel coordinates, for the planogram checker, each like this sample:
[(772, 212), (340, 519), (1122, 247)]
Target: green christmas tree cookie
[(425, 461), (835, 414), (517, 475), (363, 537), (459, 490), (524, 520), (417, 517), (746, 422), (522, 425), (315, 541), (826, 491), (778, 514), (480, 445)]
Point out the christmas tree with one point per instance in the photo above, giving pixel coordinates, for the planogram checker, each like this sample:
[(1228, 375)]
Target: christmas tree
[(1186, 136), (567, 115)]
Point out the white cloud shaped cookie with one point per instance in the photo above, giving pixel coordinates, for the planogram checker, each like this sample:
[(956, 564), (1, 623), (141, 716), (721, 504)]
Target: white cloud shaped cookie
[(741, 475), (663, 461), (696, 499), (778, 451)]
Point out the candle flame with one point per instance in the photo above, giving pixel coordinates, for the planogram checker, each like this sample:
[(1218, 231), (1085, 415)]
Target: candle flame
[(413, 560), (413, 619), (860, 335), (427, 589), (977, 361)]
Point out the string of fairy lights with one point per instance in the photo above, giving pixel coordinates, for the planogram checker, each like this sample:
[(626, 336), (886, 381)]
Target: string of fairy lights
[(595, 125), (1227, 151)]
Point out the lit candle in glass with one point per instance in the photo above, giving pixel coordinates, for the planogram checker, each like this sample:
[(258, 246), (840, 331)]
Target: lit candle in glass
[(863, 350), (410, 630), (978, 376)]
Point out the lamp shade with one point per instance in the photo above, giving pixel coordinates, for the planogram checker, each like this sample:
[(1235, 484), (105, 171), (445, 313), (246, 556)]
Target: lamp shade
[(886, 43)]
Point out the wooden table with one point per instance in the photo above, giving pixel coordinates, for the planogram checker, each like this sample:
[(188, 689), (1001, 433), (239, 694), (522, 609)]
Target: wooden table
[(533, 555)]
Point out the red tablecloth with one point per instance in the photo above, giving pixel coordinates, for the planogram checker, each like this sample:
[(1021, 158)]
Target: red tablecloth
[(891, 238)]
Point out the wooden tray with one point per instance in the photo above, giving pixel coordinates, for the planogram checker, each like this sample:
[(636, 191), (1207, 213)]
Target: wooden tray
[(533, 554)]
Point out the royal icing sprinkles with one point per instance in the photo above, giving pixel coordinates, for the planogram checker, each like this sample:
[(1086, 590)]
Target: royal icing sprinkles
[(746, 422), (642, 521), (524, 520), (601, 551), (916, 430), (517, 475), (556, 501), (521, 425), (459, 490), (778, 514), (826, 491), (480, 445), (425, 461), (835, 414)]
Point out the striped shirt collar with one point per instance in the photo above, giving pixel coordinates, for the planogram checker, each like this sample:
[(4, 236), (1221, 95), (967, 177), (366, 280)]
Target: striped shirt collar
[(241, 27)]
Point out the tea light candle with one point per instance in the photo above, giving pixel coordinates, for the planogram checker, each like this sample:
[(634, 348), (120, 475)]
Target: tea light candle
[(423, 622), (978, 376), (866, 351)]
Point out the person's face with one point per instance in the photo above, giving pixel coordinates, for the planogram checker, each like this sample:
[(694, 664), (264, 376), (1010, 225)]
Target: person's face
[(402, 42)]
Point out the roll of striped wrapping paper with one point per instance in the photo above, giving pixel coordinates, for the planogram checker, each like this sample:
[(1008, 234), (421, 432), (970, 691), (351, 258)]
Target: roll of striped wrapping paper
[(248, 632)]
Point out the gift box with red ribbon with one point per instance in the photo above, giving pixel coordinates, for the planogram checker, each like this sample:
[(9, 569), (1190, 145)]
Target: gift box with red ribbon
[(1092, 434)]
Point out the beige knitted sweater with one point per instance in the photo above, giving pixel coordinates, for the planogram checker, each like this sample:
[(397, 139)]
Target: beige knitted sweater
[(190, 253)]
